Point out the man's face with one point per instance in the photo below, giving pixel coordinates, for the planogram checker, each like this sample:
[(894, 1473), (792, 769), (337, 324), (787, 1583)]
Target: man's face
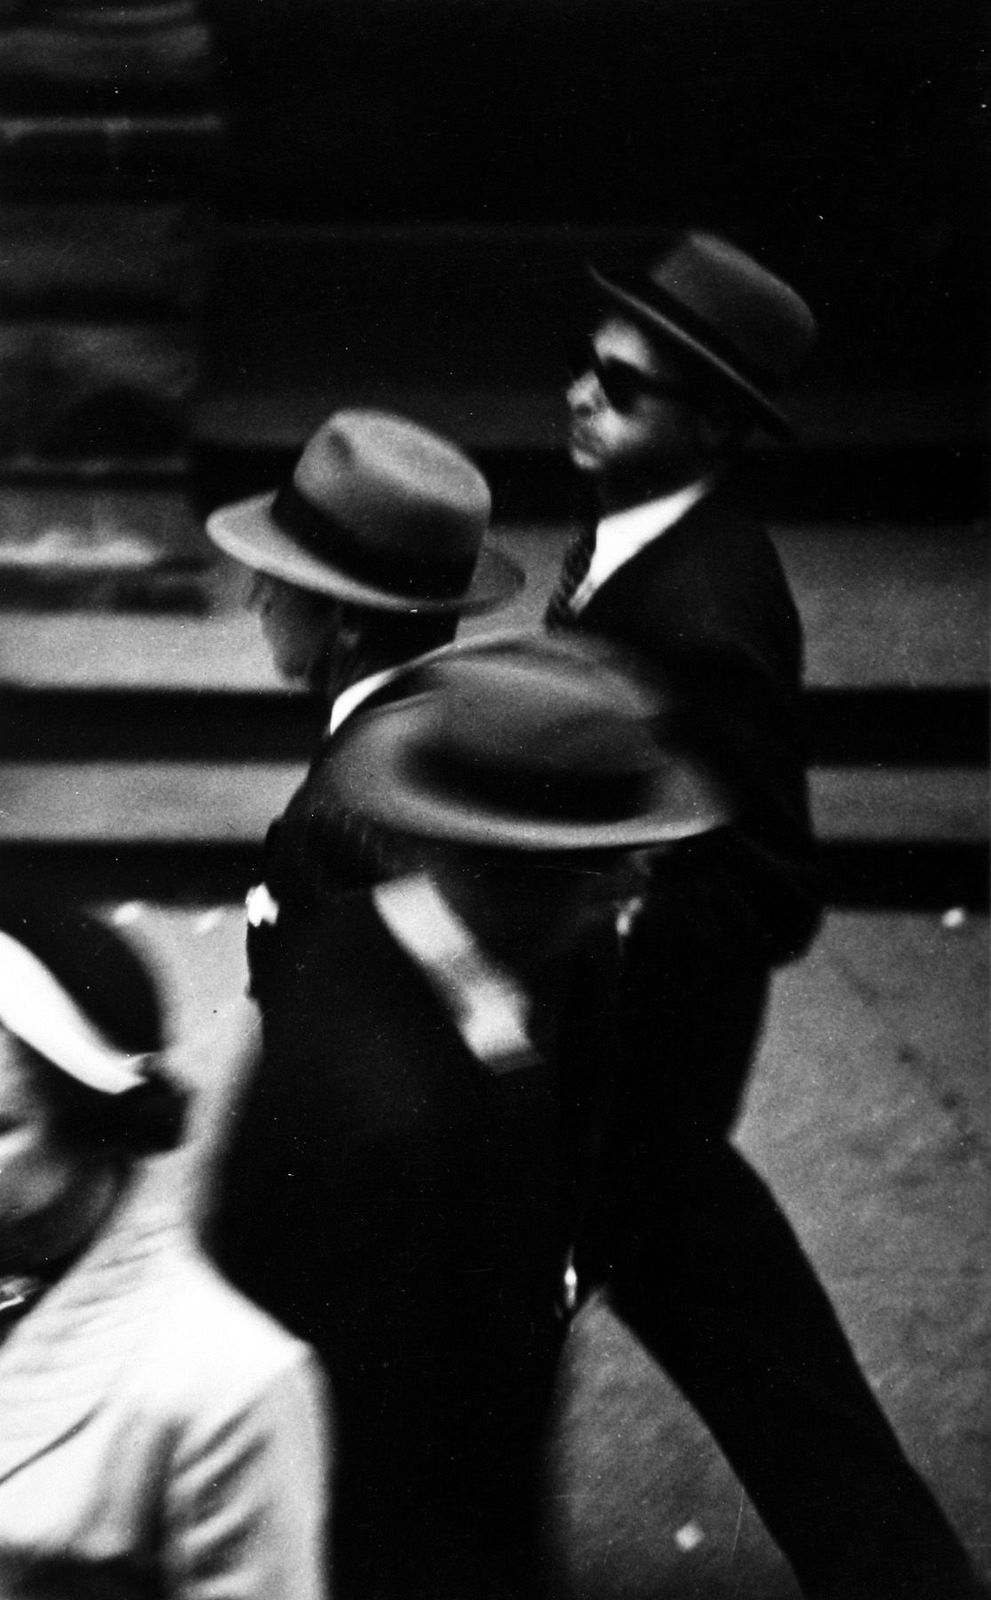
[(634, 429), (326, 644), (36, 1172), (296, 626)]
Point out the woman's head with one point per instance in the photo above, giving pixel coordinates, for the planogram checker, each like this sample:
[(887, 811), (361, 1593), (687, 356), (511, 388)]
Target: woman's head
[(81, 1095), (81, 1012)]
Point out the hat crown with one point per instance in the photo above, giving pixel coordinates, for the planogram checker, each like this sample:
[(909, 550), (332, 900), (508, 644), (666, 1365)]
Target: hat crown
[(550, 732), (381, 513), (543, 721), (402, 493), (730, 317), (760, 317), (530, 743)]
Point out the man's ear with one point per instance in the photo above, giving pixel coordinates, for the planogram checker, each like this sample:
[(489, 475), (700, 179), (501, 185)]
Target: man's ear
[(352, 624)]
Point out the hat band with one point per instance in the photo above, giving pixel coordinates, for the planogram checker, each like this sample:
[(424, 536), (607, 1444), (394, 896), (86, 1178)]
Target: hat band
[(702, 332), (401, 573), (563, 796)]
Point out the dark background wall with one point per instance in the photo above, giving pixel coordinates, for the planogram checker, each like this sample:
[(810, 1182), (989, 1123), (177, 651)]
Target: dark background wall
[(843, 141), (400, 197)]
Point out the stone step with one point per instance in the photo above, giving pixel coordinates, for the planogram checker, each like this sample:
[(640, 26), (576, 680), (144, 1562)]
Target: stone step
[(77, 55), (845, 727), (466, 326), (473, 305), (132, 155), (897, 708), (84, 395), (919, 875), (884, 607), (123, 546), (935, 483), (101, 257), (273, 413), (231, 803), (462, 328)]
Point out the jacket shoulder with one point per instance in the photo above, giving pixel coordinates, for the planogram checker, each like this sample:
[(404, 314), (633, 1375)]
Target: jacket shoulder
[(212, 1346), (717, 545), (712, 583)]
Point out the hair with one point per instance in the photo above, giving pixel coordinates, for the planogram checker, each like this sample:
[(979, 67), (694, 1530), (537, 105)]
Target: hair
[(403, 635), (389, 638), (143, 1121)]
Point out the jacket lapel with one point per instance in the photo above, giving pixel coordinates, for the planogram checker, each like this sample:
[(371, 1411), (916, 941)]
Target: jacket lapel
[(64, 1358), (625, 583)]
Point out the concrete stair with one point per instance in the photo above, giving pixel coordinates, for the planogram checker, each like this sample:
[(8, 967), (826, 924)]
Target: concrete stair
[(154, 750), (144, 741), (148, 743)]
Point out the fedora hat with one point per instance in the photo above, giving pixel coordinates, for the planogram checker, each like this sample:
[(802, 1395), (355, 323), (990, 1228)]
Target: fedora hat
[(522, 742), (718, 306), (379, 512)]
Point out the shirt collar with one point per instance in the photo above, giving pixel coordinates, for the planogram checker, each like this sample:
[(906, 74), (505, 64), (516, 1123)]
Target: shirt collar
[(486, 1004), (622, 535), (350, 698)]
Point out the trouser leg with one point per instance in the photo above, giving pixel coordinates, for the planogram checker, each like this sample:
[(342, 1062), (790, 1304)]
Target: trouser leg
[(438, 1489), (707, 1272)]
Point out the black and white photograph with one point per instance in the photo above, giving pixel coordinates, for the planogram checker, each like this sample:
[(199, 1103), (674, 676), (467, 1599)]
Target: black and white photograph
[(494, 800)]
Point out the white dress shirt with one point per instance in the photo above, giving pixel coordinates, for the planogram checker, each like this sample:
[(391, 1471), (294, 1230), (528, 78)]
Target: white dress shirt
[(259, 903), (350, 698), (623, 535)]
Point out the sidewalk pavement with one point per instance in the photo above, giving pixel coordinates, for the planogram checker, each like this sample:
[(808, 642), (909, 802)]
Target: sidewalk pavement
[(868, 1115)]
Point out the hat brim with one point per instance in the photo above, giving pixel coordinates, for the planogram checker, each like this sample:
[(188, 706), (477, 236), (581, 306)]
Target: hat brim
[(377, 772), (655, 322), (248, 532), (43, 1015)]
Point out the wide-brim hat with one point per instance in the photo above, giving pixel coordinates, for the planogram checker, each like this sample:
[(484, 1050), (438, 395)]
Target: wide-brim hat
[(379, 512), (521, 742), (82, 998), (716, 305)]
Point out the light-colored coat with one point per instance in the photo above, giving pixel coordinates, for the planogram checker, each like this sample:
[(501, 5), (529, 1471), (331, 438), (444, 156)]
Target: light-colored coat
[(159, 1436)]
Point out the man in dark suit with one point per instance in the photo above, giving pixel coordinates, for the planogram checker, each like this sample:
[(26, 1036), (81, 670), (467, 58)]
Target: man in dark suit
[(399, 1186), (365, 559), (684, 363)]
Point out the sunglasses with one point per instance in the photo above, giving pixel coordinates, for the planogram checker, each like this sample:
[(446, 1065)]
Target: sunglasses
[(621, 383)]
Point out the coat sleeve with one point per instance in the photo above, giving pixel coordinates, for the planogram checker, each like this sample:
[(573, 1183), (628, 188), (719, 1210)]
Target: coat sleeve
[(247, 1502)]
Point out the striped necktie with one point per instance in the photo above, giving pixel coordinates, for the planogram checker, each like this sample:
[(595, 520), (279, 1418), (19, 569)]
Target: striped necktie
[(574, 568)]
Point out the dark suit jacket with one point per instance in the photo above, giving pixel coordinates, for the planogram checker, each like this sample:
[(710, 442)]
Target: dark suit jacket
[(389, 1195), (707, 606), (367, 1114), (317, 849)]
